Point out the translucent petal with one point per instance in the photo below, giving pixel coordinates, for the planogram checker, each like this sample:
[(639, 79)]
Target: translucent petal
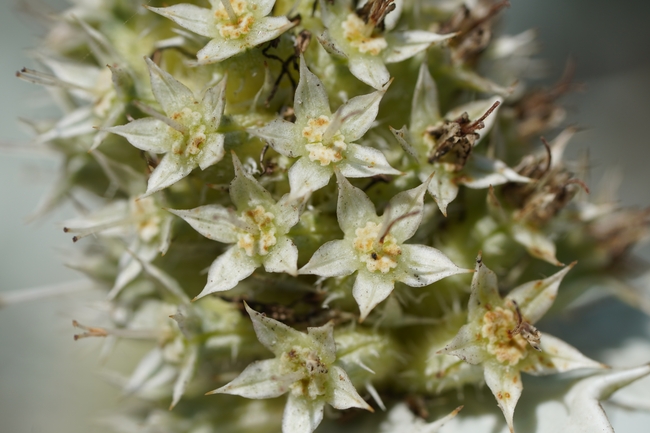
[(283, 257), (369, 69), (148, 134), (227, 270), (302, 415), (170, 170), (536, 297), (420, 265), (358, 113), (370, 288), (485, 290), (199, 20), (481, 172), (411, 202), (332, 259), (324, 336), (404, 45), (276, 336), (306, 177), (221, 49), (311, 98), (536, 243), (261, 379), (147, 366), (266, 29), (214, 102), (185, 374), (354, 208), (171, 94), (424, 108), (556, 357), (212, 221), (505, 384), (341, 393), (282, 136), (212, 151), (246, 192), (442, 187), (465, 346), (364, 161)]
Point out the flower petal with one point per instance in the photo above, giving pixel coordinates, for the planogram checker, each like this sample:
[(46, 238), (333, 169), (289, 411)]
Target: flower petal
[(261, 379), (370, 288), (276, 336), (171, 94), (266, 29), (283, 257), (485, 291), (404, 45), (536, 297), (214, 102), (185, 374), (505, 384), (311, 99), (220, 49), (212, 151), (536, 243), (556, 357), (364, 161), (282, 136), (324, 336), (341, 393), (420, 265), (424, 108), (481, 172), (227, 270), (354, 208), (302, 415), (465, 346), (358, 113), (212, 221), (245, 191), (170, 170), (369, 69), (442, 187), (332, 259), (199, 20), (148, 134), (306, 177), (406, 202)]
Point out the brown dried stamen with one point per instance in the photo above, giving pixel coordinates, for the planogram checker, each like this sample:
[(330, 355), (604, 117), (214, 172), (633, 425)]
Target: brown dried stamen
[(374, 12)]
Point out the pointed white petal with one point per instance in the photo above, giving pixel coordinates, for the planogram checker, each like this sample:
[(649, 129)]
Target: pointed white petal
[(282, 136), (220, 49), (424, 108), (261, 379), (171, 94), (311, 98), (130, 269), (302, 415), (170, 170), (306, 177), (332, 259), (185, 374), (370, 288), (199, 20), (288, 212), (404, 45), (266, 29), (536, 243), (369, 69), (556, 357), (485, 290), (148, 134), (276, 336), (442, 187), (212, 151), (212, 221), (227, 270), (354, 208), (283, 257), (264, 7), (481, 172), (147, 366), (420, 265), (245, 191), (586, 415), (73, 124), (341, 393), (465, 346), (214, 102), (536, 297), (364, 161), (358, 113), (406, 202), (505, 384), (324, 336)]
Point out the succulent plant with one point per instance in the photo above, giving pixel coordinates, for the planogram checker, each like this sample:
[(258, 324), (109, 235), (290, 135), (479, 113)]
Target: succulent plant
[(236, 154)]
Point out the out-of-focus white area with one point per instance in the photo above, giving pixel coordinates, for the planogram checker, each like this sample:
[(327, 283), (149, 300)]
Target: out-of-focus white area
[(49, 383)]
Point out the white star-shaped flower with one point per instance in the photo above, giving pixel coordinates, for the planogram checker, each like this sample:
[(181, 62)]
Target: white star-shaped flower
[(363, 37), (443, 144), (304, 366), (187, 134), (233, 25), (258, 230), (322, 140), (500, 336), (374, 247)]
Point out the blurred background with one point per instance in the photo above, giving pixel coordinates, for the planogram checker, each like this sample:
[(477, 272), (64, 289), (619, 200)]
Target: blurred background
[(48, 383)]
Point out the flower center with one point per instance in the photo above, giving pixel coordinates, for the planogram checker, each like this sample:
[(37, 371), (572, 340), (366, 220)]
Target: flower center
[(191, 144), (314, 381), (230, 28), (321, 150), (148, 218), (377, 256), (498, 324), (261, 241), (359, 35)]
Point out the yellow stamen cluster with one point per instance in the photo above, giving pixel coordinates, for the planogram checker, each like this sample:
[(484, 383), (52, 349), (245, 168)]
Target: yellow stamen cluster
[(498, 324), (260, 242), (358, 34), (323, 152), (230, 29), (377, 256), (307, 361)]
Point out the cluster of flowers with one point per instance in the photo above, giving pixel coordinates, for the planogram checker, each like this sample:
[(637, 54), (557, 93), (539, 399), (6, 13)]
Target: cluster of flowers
[(239, 90)]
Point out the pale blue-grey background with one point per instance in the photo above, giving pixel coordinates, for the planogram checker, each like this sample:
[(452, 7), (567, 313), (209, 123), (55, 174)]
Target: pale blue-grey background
[(48, 382)]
